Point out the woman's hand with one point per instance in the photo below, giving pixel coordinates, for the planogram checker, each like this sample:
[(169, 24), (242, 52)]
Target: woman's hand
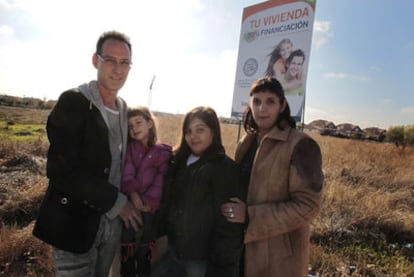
[(234, 211)]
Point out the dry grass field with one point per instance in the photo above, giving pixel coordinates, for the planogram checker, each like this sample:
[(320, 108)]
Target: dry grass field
[(365, 226)]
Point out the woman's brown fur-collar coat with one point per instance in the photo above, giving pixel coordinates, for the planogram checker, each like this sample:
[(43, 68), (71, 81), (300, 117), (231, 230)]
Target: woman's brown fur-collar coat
[(283, 197)]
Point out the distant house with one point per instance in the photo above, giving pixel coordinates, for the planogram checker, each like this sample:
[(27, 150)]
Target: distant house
[(345, 130), (322, 127), (374, 133), (348, 130)]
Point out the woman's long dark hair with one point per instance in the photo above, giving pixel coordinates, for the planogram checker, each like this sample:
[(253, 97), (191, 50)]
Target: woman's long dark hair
[(271, 85)]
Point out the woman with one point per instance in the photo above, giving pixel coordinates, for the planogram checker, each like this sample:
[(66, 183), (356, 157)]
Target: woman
[(277, 59), (283, 169), (202, 243)]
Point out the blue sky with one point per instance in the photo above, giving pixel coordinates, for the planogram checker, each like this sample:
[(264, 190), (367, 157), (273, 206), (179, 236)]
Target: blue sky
[(361, 67)]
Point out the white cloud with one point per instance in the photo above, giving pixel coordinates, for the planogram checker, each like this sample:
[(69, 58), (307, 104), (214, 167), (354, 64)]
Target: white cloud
[(375, 68), (312, 114), (361, 78), (331, 115), (407, 110), (7, 5), (321, 33), (197, 80), (6, 30), (334, 75)]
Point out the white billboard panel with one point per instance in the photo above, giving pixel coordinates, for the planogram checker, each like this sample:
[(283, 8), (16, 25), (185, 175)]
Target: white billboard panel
[(275, 41)]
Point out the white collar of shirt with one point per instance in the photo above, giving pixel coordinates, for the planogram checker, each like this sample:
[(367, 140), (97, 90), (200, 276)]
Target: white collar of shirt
[(192, 159)]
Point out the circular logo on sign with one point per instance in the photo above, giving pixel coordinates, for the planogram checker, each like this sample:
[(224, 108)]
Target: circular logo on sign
[(250, 67)]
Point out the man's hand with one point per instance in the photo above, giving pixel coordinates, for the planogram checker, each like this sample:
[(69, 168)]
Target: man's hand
[(131, 216), (136, 200)]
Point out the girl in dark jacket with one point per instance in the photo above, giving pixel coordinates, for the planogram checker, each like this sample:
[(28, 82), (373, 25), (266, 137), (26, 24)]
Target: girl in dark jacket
[(201, 178)]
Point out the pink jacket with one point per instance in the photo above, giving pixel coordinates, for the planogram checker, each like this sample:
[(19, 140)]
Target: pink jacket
[(144, 173)]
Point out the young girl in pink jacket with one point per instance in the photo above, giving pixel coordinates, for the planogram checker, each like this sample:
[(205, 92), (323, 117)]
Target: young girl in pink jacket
[(145, 167)]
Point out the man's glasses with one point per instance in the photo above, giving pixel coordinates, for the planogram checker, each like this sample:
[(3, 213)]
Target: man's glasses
[(112, 62)]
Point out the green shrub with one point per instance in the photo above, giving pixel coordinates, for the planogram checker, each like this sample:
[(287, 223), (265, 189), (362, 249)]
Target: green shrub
[(396, 135), (409, 135)]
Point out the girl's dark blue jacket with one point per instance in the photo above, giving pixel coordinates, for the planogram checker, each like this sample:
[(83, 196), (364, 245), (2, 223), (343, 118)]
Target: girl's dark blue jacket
[(190, 212)]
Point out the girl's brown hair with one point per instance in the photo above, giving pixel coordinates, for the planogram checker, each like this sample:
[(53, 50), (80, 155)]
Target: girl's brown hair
[(209, 117)]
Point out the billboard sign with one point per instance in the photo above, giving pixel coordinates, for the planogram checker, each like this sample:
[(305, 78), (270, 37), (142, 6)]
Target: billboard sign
[(275, 41)]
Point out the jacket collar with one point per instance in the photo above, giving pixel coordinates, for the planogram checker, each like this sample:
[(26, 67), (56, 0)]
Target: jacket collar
[(278, 134), (91, 92), (209, 155), (274, 134)]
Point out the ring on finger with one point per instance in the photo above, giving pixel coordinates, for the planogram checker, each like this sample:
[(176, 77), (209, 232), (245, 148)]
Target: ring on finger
[(232, 215), (230, 209)]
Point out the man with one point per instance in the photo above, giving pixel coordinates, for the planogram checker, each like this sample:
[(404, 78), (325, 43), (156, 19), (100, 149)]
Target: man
[(82, 212), (293, 78), (293, 83)]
